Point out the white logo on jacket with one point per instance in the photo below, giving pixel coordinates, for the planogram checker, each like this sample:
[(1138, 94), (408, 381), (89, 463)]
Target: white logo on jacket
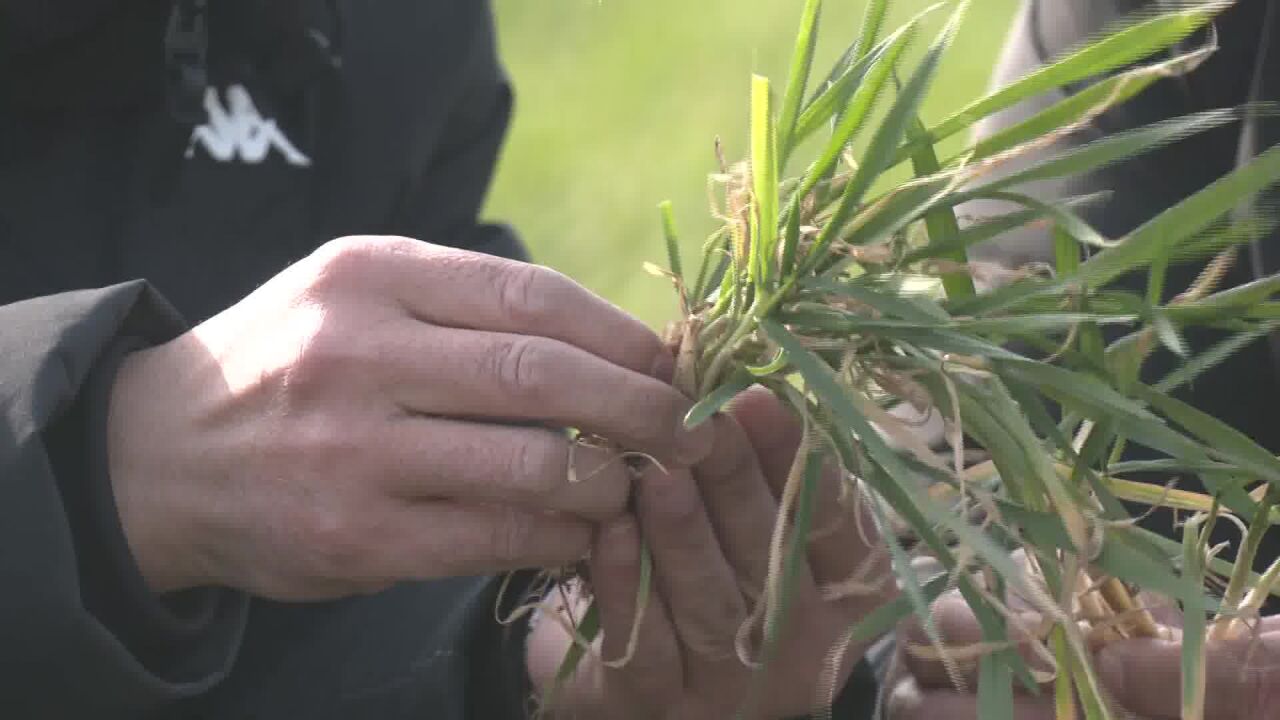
[(238, 131)]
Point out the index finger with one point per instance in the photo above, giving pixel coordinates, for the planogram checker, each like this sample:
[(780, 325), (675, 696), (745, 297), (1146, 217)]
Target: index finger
[(456, 288)]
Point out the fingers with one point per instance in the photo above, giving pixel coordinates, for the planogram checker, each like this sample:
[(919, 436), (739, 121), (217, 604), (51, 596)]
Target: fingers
[(652, 673), (506, 376), (457, 288), (441, 459), (444, 539), (959, 630), (740, 504), (771, 428), (697, 583), (1242, 677), (843, 553), (908, 701)]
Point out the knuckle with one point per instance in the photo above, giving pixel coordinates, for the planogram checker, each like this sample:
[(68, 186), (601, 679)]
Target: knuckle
[(336, 545), (511, 539), (518, 366), (536, 465), (525, 293), (331, 444), (320, 360), (346, 261), (657, 414), (609, 484), (712, 640), (673, 504), (341, 260), (732, 457)]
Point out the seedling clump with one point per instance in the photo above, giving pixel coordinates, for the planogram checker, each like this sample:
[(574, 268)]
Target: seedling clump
[(848, 294)]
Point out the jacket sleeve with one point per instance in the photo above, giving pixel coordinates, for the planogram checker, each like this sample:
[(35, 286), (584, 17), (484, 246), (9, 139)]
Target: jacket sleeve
[(80, 633)]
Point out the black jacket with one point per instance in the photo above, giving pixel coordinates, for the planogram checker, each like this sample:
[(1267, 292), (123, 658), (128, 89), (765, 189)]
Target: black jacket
[(319, 120), (176, 180)]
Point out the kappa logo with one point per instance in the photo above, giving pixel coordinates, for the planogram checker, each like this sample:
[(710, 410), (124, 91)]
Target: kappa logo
[(236, 131)]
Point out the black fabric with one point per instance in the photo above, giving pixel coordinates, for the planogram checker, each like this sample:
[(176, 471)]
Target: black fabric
[(324, 118), (321, 118), (74, 611)]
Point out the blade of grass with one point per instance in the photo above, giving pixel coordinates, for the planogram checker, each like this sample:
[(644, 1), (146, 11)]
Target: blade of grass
[(861, 47), (995, 681), (885, 140), (672, 239), (892, 213), (833, 102), (886, 617), (790, 240), (1086, 684), (764, 178), (673, 251), (587, 629), (1112, 51), (872, 21), (1193, 627), (1172, 548), (859, 108), (883, 299), (1094, 398), (1063, 692), (715, 260), (798, 79), (908, 577), (1157, 236), (1213, 356), (1113, 148), (941, 222), (887, 477), (1223, 441), (1081, 105), (1185, 219), (1123, 557), (796, 552), (996, 226), (708, 406), (1065, 220)]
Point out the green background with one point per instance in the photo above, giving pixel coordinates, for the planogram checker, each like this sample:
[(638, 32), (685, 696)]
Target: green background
[(618, 103)]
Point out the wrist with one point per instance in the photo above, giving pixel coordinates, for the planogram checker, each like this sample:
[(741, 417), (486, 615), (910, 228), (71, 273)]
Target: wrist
[(144, 475)]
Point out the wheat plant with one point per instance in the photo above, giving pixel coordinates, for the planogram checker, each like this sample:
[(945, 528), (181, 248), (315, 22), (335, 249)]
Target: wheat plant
[(846, 294)]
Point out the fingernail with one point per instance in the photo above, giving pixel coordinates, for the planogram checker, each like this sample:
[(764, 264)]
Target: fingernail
[(693, 444)]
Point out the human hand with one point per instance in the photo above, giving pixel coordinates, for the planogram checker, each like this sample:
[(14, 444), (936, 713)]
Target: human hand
[(1242, 674), (709, 532), (386, 410), (1143, 676), (922, 688)]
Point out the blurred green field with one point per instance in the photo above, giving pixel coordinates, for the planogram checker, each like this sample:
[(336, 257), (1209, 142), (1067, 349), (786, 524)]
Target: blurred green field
[(618, 104)]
